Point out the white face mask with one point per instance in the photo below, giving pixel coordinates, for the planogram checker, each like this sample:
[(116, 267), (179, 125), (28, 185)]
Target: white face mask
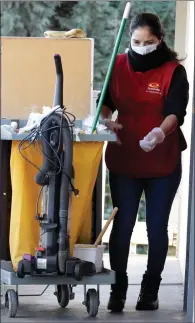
[(143, 50)]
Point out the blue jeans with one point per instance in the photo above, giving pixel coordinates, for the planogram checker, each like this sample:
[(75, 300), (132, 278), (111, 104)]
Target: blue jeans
[(126, 194)]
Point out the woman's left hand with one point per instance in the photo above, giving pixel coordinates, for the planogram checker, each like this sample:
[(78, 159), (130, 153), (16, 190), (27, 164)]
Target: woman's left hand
[(153, 138)]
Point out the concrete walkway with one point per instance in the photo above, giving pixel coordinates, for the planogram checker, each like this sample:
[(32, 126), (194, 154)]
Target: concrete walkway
[(46, 308), (137, 266)]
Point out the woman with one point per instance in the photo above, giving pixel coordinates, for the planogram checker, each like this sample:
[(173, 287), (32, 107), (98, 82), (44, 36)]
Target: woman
[(149, 89)]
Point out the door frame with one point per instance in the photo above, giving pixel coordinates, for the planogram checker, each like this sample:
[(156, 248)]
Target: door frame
[(188, 304)]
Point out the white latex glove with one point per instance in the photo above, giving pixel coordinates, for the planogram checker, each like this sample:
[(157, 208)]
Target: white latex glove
[(153, 138)]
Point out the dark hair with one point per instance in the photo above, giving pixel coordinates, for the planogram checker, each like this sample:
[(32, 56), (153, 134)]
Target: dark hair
[(148, 20), (153, 22)]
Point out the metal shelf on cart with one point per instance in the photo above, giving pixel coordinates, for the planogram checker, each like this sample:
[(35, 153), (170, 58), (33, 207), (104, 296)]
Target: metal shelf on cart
[(8, 277)]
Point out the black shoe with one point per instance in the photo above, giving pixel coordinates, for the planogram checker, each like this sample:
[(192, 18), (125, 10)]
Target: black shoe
[(117, 299), (116, 302), (148, 297)]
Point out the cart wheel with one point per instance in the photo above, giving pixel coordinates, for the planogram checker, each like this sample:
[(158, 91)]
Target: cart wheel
[(92, 302), (78, 271), (63, 295), (20, 271), (17, 299), (11, 303)]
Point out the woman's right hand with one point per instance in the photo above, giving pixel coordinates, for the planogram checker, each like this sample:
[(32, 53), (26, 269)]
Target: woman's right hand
[(114, 127)]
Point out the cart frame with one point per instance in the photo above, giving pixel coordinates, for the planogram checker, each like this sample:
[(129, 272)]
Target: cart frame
[(63, 288), (64, 285)]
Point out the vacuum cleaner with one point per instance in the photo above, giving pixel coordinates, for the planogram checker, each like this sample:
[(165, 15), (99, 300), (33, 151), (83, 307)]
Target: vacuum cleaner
[(52, 256)]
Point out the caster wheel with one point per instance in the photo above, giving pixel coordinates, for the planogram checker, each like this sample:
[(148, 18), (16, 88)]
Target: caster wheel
[(92, 302), (63, 295), (20, 271), (11, 303), (17, 299), (78, 271)]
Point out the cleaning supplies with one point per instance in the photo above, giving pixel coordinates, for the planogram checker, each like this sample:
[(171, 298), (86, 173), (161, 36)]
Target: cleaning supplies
[(73, 33), (94, 253), (8, 130)]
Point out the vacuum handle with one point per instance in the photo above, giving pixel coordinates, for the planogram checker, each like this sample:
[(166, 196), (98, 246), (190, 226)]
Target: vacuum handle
[(111, 217), (58, 95), (58, 64)]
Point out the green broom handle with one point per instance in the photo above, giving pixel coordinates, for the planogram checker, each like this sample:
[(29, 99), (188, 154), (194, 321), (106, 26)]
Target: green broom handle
[(110, 67)]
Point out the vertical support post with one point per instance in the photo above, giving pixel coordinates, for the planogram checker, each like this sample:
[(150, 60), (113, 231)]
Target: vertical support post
[(97, 217), (190, 286), (189, 273)]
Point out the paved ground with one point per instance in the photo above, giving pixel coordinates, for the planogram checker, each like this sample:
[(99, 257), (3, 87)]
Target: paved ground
[(137, 265), (46, 308)]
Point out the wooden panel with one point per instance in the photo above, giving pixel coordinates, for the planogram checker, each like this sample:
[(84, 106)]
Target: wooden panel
[(28, 75)]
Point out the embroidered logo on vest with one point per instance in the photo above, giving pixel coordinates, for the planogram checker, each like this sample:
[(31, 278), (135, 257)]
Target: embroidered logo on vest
[(154, 88)]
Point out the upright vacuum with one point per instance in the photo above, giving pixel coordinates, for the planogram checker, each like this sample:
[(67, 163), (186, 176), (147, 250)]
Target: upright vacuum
[(52, 255)]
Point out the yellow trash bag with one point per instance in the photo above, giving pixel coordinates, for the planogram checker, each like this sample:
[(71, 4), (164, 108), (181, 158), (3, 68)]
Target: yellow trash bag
[(24, 229), (86, 160)]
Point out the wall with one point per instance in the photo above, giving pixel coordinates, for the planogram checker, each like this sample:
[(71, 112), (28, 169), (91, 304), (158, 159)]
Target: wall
[(28, 75), (185, 45), (189, 291)]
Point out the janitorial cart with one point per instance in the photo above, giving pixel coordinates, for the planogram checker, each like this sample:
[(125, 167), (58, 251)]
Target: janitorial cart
[(52, 262)]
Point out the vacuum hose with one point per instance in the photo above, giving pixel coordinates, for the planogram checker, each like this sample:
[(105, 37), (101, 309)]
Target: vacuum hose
[(63, 251)]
